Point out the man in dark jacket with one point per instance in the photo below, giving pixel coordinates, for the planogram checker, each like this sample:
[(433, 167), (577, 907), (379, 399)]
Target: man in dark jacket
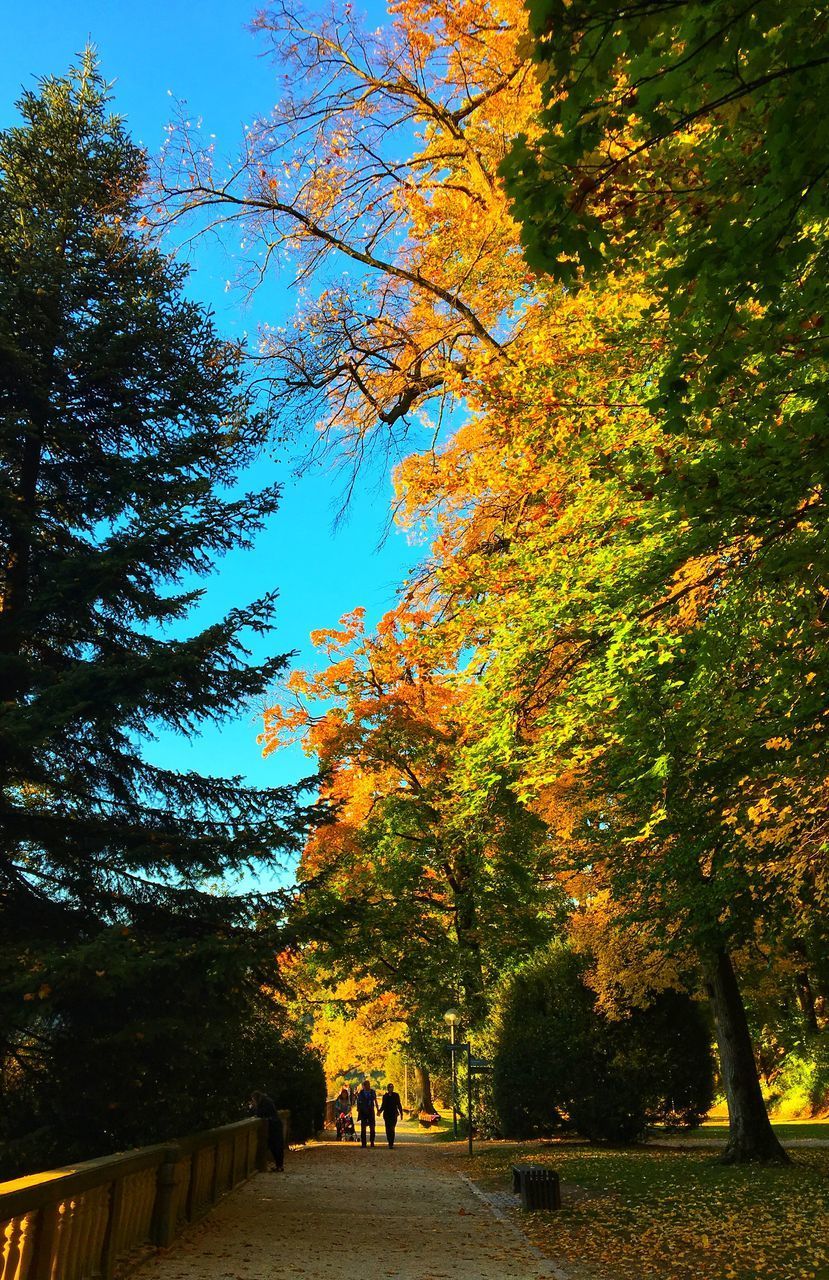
[(367, 1109), (263, 1106), (391, 1109)]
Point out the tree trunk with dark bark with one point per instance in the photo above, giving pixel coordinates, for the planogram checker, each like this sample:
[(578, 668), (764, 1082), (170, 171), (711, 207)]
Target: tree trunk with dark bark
[(461, 877), (423, 1090), (804, 990), (751, 1137), (806, 1000)]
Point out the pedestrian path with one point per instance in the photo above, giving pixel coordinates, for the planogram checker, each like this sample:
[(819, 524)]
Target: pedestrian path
[(343, 1213)]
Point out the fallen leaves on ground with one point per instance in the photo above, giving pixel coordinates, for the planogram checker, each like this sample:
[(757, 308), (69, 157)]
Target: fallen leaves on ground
[(677, 1215)]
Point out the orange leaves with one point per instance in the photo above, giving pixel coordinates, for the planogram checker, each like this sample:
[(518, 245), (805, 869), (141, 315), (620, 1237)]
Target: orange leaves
[(778, 744), (334, 639), (446, 282), (293, 719), (348, 712), (629, 961), (43, 993)]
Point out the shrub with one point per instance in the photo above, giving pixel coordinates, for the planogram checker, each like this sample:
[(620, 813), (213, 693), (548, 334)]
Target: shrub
[(142, 1041), (560, 1062), (296, 1080)]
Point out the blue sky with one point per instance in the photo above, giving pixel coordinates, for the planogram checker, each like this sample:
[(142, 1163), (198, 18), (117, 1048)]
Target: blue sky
[(204, 54)]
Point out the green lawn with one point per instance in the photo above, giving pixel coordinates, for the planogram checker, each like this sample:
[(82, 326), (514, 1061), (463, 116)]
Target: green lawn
[(676, 1215), (785, 1131)]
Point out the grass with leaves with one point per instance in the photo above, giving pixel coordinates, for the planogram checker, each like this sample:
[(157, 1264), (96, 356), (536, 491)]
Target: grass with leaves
[(675, 1215), (786, 1131)]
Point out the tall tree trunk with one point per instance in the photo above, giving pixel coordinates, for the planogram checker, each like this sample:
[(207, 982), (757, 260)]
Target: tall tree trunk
[(461, 877), (751, 1137), (806, 1000), (16, 572), (803, 986), (14, 581), (423, 1090)]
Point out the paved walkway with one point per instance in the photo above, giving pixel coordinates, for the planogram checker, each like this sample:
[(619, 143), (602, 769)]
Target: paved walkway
[(342, 1213)]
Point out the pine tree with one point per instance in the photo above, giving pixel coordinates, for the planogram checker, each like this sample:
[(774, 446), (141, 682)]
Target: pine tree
[(124, 424)]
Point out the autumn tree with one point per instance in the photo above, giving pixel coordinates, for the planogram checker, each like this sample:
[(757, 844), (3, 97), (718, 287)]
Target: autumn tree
[(680, 139), (358, 1031), (601, 665), (124, 424), (379, 160), (400, 886), (590, 603)]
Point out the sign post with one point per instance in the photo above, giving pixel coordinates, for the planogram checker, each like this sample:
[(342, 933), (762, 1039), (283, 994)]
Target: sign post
[(474, 1067)]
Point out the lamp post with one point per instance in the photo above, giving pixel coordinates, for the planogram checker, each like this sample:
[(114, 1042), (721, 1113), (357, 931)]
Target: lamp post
[(474, 1067), (452, 1017)]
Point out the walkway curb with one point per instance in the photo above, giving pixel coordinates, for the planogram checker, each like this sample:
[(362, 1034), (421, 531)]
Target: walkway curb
[(545, 1264)]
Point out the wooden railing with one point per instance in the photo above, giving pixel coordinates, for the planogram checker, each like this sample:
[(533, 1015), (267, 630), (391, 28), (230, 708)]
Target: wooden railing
[(98, 1219)]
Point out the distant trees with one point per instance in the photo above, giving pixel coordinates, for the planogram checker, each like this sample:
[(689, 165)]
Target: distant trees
[(124, 424), (400, 885)]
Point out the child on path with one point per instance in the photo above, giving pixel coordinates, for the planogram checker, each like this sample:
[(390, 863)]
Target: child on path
[(342, 1114)]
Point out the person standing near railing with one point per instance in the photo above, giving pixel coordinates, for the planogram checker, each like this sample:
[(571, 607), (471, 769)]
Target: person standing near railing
[(263, 1107)]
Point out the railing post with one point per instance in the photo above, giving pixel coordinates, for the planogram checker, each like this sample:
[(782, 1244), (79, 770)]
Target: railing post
[(109, 1252), (48, 1221), (262, 1147), (164, 1215), (214, 1181), (192, 1186)]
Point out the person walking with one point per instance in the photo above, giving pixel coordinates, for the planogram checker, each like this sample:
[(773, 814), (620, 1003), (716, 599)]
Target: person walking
[(391, 1109), (367, 1109), (264, 1107)]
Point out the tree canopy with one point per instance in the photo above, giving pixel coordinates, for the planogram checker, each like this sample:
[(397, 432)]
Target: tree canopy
[(622, 476)]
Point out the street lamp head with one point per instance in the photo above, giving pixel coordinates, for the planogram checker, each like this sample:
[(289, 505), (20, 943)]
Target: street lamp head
[(452, 1017)]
